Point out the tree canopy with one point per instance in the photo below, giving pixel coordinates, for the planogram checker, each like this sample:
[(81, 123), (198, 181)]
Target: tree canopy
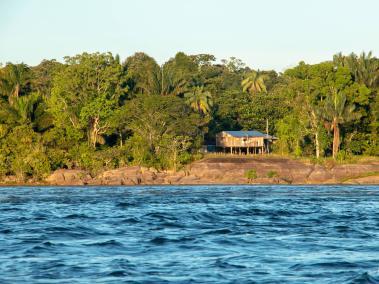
[(94, 112)]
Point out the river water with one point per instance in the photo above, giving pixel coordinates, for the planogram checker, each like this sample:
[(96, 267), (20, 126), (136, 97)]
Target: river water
[(189, 234)]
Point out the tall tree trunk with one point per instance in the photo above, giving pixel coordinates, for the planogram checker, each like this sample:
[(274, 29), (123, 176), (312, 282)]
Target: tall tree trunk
[(16, 91), (317, 142), (315, 126), (14, 95), (93, 131), (336, 138)]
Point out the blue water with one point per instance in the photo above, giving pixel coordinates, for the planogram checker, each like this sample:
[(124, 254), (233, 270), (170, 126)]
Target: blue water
[(200, 234)]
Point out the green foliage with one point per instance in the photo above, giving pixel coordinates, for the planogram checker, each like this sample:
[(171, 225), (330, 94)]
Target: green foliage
[(292, 134), (272, 174), (199, 100), (14, 81), (234, 110), (42, 76), (163, 128), (85, 93), (254, 83), (173, 151), (343, 155), (336, 112), (233, 64), (326, 97), (364, 68), (177, 74), (254, 112), (251, 174), (94, 113), (26, 156), (143, 74)]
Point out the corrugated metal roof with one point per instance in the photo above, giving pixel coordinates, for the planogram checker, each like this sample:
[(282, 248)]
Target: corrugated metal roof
[(248, 133)]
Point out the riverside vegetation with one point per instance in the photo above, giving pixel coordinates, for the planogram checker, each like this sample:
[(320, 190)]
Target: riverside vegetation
[(95, 112)]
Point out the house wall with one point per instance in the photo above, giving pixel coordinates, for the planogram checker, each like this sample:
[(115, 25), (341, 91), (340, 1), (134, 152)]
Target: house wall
[(226, 140)]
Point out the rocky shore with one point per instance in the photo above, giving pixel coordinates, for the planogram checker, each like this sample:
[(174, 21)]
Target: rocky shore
[(224, 170)]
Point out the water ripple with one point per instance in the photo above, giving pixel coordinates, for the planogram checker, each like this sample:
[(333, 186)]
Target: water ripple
[(190, 234)]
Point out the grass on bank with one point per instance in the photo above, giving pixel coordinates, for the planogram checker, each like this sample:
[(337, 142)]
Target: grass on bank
[(363, 175), (324, 161)]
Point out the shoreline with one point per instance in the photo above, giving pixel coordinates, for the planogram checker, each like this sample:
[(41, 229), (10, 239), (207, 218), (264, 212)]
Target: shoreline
[(220, 171), (190, 185)]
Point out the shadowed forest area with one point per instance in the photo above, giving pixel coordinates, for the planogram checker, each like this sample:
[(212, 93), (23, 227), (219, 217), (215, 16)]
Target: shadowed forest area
[(96, 112)]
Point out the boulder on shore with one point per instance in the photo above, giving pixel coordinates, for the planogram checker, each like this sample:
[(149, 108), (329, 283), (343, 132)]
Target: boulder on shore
[(227, 170), (126, 176), (69, 177)]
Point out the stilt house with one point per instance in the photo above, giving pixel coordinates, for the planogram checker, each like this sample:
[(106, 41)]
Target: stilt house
[(248, 142)]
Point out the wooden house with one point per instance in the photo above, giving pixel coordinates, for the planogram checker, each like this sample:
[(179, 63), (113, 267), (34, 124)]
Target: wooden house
[(249, 142)]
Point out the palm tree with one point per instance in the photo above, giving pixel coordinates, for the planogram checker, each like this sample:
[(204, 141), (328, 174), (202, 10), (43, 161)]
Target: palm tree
[(14, 77), (339, 59), (368, 69), (199, 100), (337, 112), (25, 107), (171, 83), (364, 69), (21, 111), (254, 83)]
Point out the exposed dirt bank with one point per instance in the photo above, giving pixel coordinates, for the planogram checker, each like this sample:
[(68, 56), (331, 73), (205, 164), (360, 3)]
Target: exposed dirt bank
[(224, 170)]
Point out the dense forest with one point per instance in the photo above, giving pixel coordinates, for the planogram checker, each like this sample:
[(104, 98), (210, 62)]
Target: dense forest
[(96, 112)]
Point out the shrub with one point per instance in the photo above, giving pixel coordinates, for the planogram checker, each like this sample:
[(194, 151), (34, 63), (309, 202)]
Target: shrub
[(39, 163), (4, 167), (343, 155), (26, 156), (272, 174), (251, 174)]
